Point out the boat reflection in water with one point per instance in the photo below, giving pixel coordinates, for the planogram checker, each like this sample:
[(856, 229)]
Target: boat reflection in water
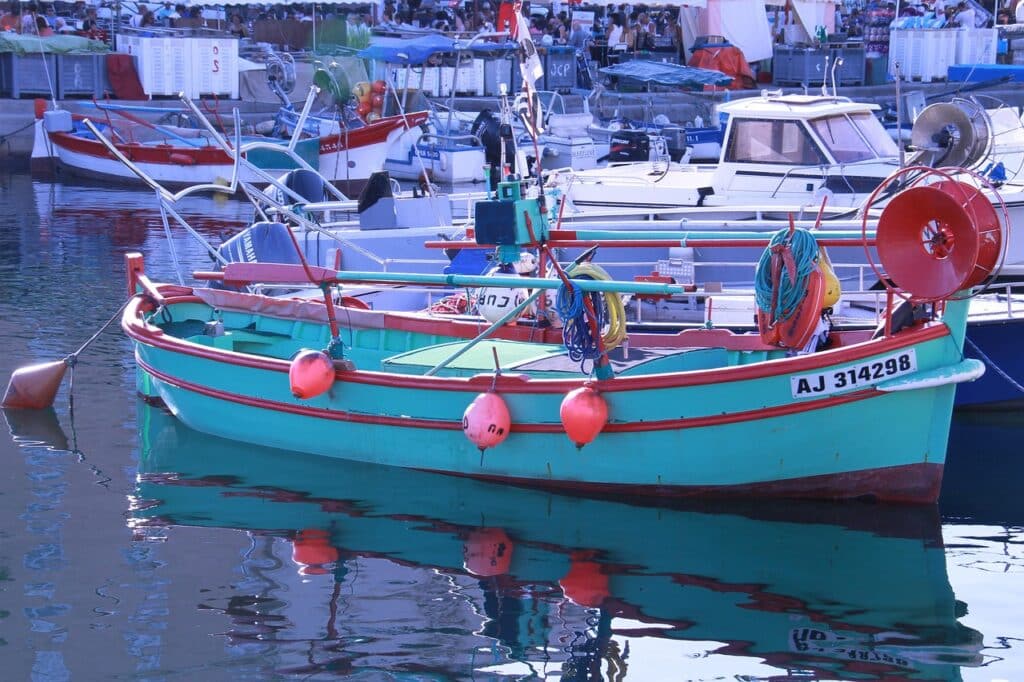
[(357, 567)]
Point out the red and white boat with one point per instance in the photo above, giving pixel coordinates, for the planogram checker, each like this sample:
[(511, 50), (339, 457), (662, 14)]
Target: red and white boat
[(175, 156)]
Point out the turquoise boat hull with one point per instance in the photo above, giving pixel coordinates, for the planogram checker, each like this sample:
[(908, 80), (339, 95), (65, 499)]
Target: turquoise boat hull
[(692, 420), (793, 584)]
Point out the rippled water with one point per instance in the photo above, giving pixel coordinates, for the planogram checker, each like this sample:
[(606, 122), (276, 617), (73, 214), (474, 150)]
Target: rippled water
[(132, 547)]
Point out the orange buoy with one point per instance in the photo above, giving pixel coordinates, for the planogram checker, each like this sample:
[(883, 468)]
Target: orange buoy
[(487, 552), (585, 584), (310, 374), (34, 387), (312, 550), (584, 413), (486, 422)]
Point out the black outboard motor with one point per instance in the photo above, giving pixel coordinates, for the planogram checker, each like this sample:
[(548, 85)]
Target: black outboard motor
[(376, 188), (629, 145), (306, 183), (491, 131), (261, 242)]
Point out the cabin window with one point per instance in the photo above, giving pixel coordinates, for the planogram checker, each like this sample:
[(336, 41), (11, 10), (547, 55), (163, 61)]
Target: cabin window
[(843, 139), (759, 141), (876, 135)]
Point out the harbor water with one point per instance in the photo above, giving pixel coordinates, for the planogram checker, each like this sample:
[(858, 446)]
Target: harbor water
[(134, 548)]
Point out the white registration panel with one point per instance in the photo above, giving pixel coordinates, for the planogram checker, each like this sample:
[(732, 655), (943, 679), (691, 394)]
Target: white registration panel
[(861, 375)]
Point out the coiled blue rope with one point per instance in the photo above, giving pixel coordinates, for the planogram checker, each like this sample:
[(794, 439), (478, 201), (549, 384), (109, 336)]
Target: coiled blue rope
[(576, 334), (804, 248)]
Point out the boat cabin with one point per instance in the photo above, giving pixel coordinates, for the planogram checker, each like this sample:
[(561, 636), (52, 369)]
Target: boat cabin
[(792, 146)]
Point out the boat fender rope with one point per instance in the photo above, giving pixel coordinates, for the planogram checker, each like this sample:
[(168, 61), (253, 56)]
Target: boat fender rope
[(780, 281), (998, 370)]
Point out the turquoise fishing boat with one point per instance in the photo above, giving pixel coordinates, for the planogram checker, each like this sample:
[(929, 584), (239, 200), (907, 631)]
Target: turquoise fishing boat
[(705, 411), (790, 584)]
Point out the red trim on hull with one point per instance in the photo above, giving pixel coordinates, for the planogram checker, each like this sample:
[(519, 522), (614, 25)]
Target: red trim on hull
[(413, 422), (908, 483), (374, 133), (147, 334)]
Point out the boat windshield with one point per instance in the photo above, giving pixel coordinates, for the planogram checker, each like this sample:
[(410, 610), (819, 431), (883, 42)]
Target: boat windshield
[(876, 135), (776, 142), (858, 137), (842, 139)]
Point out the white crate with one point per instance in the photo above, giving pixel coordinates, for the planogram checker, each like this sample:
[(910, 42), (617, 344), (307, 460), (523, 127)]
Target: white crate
[(679, 269), (471, 78), (976, 45), (214, 67), (923, 54)]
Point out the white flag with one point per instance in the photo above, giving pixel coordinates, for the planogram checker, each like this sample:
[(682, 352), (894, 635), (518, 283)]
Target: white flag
[(529, 65)]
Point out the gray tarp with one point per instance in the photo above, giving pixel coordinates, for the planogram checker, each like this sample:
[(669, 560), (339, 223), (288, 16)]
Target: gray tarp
[(664, 73)]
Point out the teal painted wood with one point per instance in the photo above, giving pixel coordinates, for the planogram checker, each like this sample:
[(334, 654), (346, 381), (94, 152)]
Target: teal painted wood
[(764, 444)]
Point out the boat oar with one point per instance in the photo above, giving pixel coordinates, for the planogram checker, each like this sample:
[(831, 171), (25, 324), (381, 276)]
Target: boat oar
[(34, 387)]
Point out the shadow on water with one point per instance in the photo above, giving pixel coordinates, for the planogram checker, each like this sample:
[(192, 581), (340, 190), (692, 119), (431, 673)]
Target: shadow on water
[(984, 468), (843, 591)]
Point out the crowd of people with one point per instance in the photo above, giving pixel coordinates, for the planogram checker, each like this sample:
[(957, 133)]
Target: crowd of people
[(622, 27)]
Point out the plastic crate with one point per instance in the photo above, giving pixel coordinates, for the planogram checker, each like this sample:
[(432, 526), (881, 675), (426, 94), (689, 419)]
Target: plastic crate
[(27, 74), (496, 71), (923, 54), (82, 75), (560, 68), (679, 269), (977, 45)]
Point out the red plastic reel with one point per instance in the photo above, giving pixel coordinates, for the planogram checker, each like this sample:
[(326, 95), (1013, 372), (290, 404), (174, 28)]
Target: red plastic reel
[(928, 242), (983, 215)]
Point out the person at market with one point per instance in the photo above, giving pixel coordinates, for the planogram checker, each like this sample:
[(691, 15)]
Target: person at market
[(617, 34), (28, 19), (580, 35), (965, 16), (166, 14), (12, 20), (43, 29), (237, 27)]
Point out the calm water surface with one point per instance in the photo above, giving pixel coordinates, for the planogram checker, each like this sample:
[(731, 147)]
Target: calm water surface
[(134, 548)]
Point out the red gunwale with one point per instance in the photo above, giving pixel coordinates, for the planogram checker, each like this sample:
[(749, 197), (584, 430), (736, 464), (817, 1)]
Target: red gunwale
[(375, 133), (138, 330), (555, 427)]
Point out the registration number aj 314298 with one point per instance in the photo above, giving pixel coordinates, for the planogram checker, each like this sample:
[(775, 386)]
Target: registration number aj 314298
[(861, 375)]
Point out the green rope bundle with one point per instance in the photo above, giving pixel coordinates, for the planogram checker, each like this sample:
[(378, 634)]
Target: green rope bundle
[(804, 248)]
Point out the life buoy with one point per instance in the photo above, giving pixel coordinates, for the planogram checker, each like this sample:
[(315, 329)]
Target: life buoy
[(796, 330)]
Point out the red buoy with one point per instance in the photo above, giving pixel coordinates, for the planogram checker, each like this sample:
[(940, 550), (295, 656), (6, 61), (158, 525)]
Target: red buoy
[(312, 550), (486, 422), (34, 387), (585, 584), (584, 413), (487, 552), (310, 374)]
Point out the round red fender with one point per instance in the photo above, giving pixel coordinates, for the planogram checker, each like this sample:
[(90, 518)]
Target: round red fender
[(585, 584), (182, 159), (928, 242), (312, 550), (486, 422), (584, 413), (310, 374), (487, 552), (796, 331)]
